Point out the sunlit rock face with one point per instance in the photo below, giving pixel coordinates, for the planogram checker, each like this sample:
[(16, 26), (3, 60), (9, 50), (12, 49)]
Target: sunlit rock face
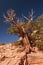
[(16, 55)]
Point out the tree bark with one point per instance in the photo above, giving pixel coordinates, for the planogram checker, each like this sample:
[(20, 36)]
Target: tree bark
[(26, 42)]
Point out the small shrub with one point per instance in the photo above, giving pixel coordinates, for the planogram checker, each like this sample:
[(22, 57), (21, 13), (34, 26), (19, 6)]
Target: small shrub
[(17, 43), (39, 45)]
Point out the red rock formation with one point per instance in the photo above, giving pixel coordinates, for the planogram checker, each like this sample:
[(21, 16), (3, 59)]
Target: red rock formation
[(16, 55)]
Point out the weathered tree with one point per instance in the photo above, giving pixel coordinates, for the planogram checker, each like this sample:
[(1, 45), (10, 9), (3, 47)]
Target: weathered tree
[(22, 30)]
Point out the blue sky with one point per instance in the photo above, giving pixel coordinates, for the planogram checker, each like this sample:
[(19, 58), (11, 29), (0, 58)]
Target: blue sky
[(20, 7)]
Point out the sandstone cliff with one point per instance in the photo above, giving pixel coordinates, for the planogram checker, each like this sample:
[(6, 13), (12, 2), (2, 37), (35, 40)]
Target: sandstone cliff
[(16, 55)]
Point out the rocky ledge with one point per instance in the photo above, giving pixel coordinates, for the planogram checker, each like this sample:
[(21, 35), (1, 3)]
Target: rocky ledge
[(16, 55)]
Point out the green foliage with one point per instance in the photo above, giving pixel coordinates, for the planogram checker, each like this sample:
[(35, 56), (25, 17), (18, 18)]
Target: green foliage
[(39, 44), (38, 37), (17, 43), (40, 18), (14, 30)]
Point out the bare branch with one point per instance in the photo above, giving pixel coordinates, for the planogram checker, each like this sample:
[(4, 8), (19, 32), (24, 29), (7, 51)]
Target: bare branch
[(25, 17), (10, 16), (30, 18)]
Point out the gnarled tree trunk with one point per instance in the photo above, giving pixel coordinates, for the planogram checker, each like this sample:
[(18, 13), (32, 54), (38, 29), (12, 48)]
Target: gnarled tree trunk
[(26, 42)]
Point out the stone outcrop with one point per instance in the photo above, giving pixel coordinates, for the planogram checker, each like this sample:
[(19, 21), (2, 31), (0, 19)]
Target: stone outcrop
[(16, 55)]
